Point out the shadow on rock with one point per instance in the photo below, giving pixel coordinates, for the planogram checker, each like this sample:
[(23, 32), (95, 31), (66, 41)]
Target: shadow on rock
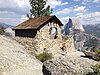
[(45, 71)]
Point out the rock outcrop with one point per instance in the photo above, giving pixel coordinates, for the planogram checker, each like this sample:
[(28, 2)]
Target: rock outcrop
[(84, 40), (73, 64), (77, 25), (14, 60), (9, 32), (92, 55)]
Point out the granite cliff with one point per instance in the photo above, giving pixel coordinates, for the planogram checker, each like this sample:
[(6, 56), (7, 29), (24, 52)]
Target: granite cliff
[(82, 38), (14, 60), (72, 64)]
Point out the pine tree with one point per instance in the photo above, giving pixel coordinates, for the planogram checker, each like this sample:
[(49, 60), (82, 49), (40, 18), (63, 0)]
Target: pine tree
[(38, 8)]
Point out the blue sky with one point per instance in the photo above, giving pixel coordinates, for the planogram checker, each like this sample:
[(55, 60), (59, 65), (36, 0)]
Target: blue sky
[(14, 12)]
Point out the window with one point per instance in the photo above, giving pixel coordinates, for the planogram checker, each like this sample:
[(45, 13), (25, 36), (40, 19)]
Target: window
[(53, 32)]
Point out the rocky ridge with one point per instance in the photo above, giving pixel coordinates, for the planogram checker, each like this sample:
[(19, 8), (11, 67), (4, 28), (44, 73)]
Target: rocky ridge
[(77, 25), (9, 32), (93, 29), (14, 60), (84, 40), (73, 64)]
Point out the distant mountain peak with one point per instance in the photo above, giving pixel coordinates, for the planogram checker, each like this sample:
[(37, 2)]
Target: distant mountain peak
[(5, 25), (72, 25), (68, 26), (77, 25)]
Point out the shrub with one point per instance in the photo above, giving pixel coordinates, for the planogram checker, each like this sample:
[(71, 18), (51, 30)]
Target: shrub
[(94, 53), (44, 56), (1, 30), (96, 69), (97, 52)]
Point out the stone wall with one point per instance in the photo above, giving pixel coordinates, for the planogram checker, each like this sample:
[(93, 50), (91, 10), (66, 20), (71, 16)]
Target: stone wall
[(68, 42), (54, 46), (28, 43)]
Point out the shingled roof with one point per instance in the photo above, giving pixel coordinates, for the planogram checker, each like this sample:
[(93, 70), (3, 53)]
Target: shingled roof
[(35, 23)]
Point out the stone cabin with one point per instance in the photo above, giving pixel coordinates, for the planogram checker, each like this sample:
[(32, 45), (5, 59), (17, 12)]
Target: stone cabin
[(47, 32), (30, 27)]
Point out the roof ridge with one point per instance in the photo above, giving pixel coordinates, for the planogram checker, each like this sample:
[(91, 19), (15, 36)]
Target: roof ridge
[(35, 23)]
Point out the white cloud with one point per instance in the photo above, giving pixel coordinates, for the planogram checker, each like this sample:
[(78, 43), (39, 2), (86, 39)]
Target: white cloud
[(76, 0), (22, 3), (92, 18), (85, 2), (11, 11), (79, 14), (23, 18), (64, 20), (64, 3), (16, 6), (11, 17), (97, 1), (55, 3), (64, 11), (98, 6), (80, 9)]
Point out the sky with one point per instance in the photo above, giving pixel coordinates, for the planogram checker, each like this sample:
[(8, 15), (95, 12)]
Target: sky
[(14, 12)]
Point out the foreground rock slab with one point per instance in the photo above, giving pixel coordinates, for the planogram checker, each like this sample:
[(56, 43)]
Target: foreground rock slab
[(15, 61), (72, 64)]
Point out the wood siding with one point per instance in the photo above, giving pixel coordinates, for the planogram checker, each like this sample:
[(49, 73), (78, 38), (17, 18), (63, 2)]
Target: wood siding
[(26, 32)]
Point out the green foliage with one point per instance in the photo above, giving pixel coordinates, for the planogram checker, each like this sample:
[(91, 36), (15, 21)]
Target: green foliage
[(96, 69), (29, 16), (97, 55), (39, 9), (1, 30), (97, 52), (94, 53), (93, 48), (47, 11), (44, 56)]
